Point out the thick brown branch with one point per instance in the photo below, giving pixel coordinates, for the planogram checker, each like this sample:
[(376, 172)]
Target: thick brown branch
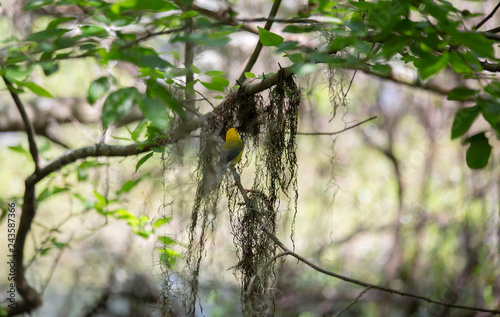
[(96, 150), (490, 67)]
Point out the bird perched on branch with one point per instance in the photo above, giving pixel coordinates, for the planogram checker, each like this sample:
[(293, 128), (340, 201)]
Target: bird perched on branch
[(231, 150)]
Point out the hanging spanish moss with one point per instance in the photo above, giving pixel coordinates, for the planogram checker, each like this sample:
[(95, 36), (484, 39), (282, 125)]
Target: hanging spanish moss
[(268, 131)]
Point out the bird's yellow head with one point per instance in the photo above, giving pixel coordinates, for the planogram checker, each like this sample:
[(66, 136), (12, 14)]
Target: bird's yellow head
[(232, 135)]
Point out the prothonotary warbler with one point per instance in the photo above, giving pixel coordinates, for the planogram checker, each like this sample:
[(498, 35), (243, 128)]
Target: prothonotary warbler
[(231, 151)]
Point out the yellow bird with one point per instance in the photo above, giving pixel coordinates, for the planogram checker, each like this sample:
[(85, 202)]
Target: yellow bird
[(231, 150)]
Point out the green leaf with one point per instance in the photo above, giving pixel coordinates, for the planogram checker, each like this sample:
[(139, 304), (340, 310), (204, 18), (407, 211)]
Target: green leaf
[(304, 69), (219, 80), (479, 151), (212, 86), (268, 38), (215, 73), (160, 222), (127, 187), (46, 35), (491, 112), (50, 191), (59, 245), (118, 105), (459, 64), (166, 240), (288, 45), (153, 132), (139, 5), (101, 200), (461, 93), (493, 89), (300, 28), (93, 30), (476, 41), (154, 111), (49, 68), (134, 135), (321, 58), (138, 55), (430, 65), (158, 90), (22, 150), (204, 38), (37, 89), (295, 58), (249, 75), (195, 69), (97, 89), (45, 251), (85, 202), (129, 217), (463, 121), (55, 23), (36, 4), (189, 14), (393, 45), (143, 160), (15, 73), (382, 69)]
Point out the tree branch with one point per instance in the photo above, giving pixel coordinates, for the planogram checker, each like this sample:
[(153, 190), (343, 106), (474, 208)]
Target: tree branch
[(353, 302), (489, 16), (339, 276), (416, 84), (291, 21), (491, 67), (224, 16), (340, 131), (258, 47), (30, 131)]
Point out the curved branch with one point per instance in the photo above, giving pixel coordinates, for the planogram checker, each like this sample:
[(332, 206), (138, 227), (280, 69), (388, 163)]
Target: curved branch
[(96, 150), (286, 250), (416, 84), (258, 47), (353, 302), (30, 131), (340, 131), (489, 16)]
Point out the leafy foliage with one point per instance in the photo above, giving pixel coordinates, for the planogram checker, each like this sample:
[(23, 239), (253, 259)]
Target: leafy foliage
[(373, 36)]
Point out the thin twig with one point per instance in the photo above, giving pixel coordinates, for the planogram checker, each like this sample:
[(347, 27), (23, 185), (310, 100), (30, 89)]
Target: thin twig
[(258, 47), (342, 277), (152, 34), (30, 130), (269, 262), (353, 302), (494, 30), (340, 131), (189, 60), (295, 20), (489, 16)]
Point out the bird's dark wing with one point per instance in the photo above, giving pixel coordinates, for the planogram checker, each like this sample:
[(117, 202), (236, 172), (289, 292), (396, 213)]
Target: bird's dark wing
[(227, 155)]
